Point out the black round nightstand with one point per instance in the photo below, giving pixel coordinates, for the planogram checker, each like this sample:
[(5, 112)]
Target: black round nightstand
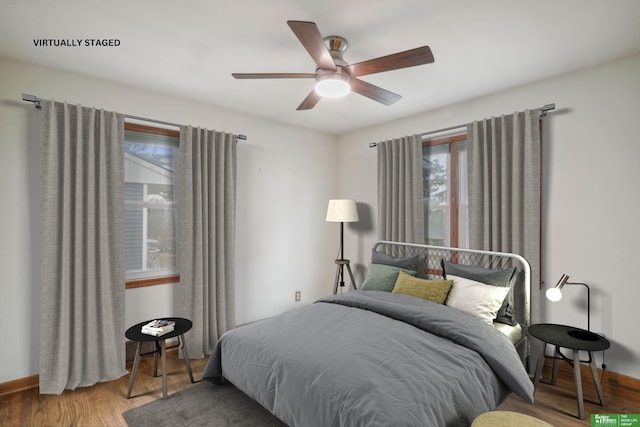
[(575, 339), (134, 333)]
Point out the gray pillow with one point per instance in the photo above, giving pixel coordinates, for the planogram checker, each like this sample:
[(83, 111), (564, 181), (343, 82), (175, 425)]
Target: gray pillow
[(502, 278), (382, 277), (409, 263)]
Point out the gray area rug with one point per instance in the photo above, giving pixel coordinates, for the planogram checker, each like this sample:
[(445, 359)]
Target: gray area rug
[(203, 404)]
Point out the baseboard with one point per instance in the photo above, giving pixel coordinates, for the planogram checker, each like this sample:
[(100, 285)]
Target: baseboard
[(21, 384), (29, 383), (146, 350), (130, 349), (613, 379)]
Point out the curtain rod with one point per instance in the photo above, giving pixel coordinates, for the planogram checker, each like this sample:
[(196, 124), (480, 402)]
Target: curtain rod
[(38, 103), (543, 112)]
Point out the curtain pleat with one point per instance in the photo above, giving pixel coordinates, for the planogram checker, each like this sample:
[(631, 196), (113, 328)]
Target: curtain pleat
[(82, 253), (504, 190), (206, 195), (400, 190)]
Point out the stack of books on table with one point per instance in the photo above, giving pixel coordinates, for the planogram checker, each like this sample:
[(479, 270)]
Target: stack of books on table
[(158, 327)]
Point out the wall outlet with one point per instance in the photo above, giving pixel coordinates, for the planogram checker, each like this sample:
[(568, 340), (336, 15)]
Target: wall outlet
[(297, 296)]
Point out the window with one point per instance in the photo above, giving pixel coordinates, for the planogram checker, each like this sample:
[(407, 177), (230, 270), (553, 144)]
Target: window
[(446, 213), (150, 211)]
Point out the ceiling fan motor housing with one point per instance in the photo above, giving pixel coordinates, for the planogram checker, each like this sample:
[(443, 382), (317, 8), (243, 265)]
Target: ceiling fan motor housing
[(337, 43), (337, 46), (332, 83)]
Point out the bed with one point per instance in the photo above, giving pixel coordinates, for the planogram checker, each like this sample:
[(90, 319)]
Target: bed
[(385, 357)]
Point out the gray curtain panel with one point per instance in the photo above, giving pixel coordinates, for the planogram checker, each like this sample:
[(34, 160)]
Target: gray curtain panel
[(504, 189), (83, 283), (206, 195), (400, 194)]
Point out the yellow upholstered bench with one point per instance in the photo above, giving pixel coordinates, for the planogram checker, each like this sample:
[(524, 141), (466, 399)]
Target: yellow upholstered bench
[(507, 419)]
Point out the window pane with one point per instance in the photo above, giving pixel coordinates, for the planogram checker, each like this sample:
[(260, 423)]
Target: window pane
[(435, 165), (463, 197), (161, 242), (446, 206), (133, 227), (150, 214), (437, 227)]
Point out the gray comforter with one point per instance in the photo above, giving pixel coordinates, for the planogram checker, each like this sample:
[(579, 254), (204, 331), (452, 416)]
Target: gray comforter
[(369, 358)]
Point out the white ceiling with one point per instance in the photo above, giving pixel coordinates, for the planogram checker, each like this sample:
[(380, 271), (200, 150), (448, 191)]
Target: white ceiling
[(189, 48)]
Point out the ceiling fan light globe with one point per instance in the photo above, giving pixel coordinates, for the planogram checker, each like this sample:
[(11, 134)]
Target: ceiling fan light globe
[(332, 86)]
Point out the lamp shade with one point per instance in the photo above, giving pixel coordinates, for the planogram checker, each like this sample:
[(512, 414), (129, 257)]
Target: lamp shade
[(555, 294), (342, 210)]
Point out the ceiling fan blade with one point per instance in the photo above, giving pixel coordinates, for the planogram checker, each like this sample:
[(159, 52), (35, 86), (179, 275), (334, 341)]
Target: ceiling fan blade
[(310, 101), (409, 58), (376, 93), (311, 39), (274, 75)]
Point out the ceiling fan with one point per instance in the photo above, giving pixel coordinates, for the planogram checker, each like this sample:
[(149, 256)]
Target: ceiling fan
[(334, 77)]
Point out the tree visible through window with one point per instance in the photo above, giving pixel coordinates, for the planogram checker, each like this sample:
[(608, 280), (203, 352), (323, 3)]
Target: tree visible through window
[(445, 194), (150, 212)]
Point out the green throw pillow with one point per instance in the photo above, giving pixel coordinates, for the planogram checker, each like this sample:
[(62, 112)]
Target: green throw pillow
[(382, 277), (432, 290)]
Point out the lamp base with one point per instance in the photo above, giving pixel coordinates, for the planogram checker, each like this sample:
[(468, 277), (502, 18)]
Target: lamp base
[(340, 264)]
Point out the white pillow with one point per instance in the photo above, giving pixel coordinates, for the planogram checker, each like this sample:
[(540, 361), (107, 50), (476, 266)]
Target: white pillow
[(479, 299)]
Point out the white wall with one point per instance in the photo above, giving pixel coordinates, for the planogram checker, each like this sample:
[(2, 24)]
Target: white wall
[(591, 197), (285, 177)]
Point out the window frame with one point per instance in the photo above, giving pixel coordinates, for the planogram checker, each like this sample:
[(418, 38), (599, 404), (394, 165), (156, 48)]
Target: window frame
[(453, 178), (159, 280)]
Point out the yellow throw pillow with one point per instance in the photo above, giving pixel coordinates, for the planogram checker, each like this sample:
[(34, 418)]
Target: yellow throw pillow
[(432, 290)]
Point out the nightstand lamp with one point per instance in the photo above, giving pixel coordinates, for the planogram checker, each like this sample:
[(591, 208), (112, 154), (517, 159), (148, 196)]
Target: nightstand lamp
[(575, 339), (555, 294)]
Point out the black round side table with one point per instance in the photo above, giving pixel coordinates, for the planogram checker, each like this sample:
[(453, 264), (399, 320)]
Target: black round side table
[(575, 339), (134, 333)]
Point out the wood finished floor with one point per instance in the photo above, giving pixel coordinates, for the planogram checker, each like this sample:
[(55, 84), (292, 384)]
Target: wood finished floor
[(557, 405), (103, 404)]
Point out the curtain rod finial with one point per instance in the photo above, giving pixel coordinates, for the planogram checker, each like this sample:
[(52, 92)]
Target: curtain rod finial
[(545, 108), (32, 98)]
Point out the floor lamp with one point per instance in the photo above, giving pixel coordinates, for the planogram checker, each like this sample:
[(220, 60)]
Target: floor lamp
[(342, 210)]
